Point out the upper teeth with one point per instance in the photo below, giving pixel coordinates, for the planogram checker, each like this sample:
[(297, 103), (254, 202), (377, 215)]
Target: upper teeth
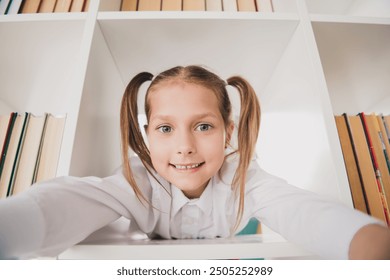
[(187, 166)]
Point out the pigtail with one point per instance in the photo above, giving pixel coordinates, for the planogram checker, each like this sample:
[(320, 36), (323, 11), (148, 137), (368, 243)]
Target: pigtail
[(131, 135), (248, 129)]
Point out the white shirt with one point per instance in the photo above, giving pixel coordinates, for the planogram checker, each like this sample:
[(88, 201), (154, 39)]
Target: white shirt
[(54, 215)]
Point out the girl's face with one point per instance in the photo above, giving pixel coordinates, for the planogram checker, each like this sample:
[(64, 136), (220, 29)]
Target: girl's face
[(186, 135)]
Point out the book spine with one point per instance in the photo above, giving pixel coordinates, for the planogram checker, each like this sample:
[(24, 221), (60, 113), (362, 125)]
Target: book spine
[(194, 5), (172, 5), (350, 159), (62, 6), (30, 6), (6, 141), (246, 5), (214, 5), (229, 5), (47, 6), (376, 168), (17, 154), (149, 5), (77, 6), (129, 5)]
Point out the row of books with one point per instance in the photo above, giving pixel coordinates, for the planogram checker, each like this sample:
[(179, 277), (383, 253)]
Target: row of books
[(365, 142), (30, 149), (42, 6), (63, 6), (197, 5)]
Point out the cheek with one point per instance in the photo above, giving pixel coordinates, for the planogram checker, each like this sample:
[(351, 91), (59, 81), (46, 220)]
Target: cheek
[(158, 149), (214, 146)]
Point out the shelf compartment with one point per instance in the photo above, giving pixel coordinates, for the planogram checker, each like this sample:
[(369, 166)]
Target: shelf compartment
[(356, 63)]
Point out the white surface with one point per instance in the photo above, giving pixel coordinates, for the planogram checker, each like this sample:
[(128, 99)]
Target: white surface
[(249, 246)]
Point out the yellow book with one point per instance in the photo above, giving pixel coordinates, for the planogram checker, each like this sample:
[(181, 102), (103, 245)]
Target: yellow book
[(355, 184), (29, 154), (246, 5), (214, 5), (62, 6), (30, 6), (77, 6), (47, 6), (149, 5), (129, 5), (171, 5), (50, 148), (86, 5), (194, 5), (373, 196)]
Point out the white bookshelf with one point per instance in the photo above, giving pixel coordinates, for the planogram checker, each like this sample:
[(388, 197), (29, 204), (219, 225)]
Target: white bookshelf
[(307, 61), (269, 246)]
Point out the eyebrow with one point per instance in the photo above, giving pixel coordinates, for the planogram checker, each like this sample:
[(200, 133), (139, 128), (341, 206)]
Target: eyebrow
[(196, 116)]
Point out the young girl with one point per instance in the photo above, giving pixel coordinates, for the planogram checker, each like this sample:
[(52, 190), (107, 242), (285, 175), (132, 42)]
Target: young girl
[(186, 181)]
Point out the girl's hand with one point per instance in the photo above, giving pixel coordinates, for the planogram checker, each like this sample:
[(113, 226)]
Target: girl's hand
[(371, 242)]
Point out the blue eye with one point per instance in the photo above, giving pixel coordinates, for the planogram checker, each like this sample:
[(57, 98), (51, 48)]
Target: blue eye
[(203, 127), (164, 129)]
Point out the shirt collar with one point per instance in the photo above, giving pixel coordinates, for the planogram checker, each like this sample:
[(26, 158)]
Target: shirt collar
[(204, 202)]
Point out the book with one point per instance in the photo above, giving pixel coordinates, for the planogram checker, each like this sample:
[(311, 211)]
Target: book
[(30, 6), (353, 174), (62, 6), (29, 154), (213, 5), (112, 5), (386, 123), (372, 131), (194, 5), (11, 153), (229, 5), (4, 121), (26, 118), (6, 141), (77, 6), (129, 5), (246, 6), (14, 7), (4, 6), (149, 5), (47, 6), (374, 160), (171, 5), (86, 5), (50, 147), (364, 163), (384, 139), (264, 5)]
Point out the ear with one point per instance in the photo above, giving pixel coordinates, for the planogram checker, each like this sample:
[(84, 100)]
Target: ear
[(229, 133), (146, 128)]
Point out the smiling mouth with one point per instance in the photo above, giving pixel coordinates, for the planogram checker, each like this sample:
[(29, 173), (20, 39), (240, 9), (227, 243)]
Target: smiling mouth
[(187, 166)]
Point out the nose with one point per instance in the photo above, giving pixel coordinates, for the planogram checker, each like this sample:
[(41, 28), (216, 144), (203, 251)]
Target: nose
[(186, 144)]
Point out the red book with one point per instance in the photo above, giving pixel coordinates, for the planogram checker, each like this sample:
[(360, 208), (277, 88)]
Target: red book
[(376, 167)]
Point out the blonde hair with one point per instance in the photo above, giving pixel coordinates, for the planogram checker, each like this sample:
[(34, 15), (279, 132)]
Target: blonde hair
[(248, 125)]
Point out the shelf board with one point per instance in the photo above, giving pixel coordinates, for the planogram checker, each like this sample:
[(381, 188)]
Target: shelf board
[(43, 17), (245, 246), (349, 19)]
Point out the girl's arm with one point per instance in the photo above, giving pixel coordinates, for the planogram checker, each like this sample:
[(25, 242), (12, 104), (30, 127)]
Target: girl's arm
[(325, 227), (371, 242), (54, 215)]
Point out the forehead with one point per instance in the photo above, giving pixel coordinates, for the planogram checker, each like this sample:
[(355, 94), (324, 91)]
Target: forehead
[(179, 93)]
